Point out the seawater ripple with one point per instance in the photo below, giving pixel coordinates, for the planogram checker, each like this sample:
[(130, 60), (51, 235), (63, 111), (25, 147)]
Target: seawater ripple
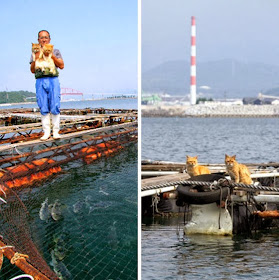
[(165, 256), (171, 139)]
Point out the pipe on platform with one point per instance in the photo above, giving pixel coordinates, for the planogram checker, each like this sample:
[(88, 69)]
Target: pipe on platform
[(158, 191)]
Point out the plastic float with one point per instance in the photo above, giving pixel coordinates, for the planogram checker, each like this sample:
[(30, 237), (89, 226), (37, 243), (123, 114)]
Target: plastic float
[(27, 173), (102, 149), (238, 208)]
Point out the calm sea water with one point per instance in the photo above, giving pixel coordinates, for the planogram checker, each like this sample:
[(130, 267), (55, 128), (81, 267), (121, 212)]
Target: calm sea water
[(96, 236), (105, 103), (171, 139), (166, 253)]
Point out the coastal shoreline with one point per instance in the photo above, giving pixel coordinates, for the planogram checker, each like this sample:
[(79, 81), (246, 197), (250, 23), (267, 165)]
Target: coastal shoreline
[(210, 111)]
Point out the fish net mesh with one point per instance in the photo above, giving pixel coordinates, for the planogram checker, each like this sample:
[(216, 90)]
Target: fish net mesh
[(74, 220), (17, 233)]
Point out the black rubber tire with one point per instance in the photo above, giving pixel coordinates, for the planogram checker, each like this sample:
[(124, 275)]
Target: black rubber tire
[(185, 195)]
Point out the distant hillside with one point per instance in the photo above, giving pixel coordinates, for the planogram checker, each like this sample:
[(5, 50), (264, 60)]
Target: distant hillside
[(16, 96), (228, 78)]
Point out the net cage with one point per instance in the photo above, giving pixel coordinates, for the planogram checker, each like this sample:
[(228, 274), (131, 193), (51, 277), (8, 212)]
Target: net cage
[(22, 124), (69, 208)]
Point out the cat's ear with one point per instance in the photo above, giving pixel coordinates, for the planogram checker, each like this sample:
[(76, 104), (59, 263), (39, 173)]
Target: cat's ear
[(196, 157), (187, 157), (234, 156), (226, 155)]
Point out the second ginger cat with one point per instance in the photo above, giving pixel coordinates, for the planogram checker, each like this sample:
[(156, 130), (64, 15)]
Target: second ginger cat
[(239, 173)]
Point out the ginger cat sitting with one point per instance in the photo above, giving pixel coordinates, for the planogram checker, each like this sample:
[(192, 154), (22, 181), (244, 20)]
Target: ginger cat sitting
[(239, 173), (193, 168)]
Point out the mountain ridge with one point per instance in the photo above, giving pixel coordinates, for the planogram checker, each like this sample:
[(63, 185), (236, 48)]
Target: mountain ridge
[(227, 77)]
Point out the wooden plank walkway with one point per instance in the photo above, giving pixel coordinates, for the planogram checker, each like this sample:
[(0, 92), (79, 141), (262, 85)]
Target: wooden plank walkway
[(164, 179), (66, 120), (81, 133), (69, 117)]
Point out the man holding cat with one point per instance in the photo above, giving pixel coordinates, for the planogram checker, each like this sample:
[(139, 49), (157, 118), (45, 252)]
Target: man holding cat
[(47, 85)]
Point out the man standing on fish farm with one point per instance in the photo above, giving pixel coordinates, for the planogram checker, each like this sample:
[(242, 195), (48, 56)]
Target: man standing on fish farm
[(47, 85)]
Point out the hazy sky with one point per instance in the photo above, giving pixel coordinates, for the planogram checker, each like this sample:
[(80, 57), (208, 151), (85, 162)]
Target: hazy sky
[(246, 30), (97, 39)]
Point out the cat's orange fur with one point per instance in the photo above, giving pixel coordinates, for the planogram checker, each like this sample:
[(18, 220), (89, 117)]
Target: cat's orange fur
[(193, 168), (47, 51), (239, 173)]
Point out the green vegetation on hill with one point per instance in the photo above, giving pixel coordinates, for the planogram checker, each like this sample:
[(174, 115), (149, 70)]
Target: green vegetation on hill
[(17, 96)]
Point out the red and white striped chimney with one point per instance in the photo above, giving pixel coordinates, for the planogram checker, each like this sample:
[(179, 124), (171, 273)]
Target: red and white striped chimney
[(193, 87)]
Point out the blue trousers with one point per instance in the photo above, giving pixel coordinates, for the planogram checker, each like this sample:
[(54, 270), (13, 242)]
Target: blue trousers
[(48, 95)]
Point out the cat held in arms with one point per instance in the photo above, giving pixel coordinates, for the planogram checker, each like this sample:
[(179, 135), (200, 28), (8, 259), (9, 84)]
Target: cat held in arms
[(239, 173), (45, 63), (35, 48), (193, 168)]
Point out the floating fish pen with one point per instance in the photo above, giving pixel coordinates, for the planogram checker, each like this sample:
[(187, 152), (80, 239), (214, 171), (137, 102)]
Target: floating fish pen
[(25, 124), (212, 203), (26, 163)]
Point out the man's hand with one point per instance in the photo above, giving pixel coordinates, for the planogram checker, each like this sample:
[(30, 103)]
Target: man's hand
[(58, 62)]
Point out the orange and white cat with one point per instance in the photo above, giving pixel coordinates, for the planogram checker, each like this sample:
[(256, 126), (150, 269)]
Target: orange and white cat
[(239, 173), (193, 168), (45, 62), (35, 48)]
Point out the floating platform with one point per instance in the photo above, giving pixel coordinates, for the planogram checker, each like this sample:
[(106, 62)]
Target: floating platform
[(214, 204)]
